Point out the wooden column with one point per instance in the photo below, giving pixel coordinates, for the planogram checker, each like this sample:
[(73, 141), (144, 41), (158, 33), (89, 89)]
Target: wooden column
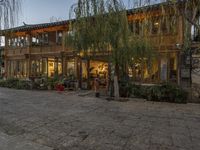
[(28, 57), (88, 74), (63, 66)]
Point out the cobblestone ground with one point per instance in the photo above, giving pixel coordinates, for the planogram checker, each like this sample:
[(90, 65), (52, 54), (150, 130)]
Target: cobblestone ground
[(40, 120)]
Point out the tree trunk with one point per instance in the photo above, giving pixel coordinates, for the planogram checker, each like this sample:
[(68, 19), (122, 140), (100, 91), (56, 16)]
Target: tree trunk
[(88, 74), (116, 82), (116, 88)]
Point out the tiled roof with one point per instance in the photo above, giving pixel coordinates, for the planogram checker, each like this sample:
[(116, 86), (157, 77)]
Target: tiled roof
[(27, 27), (149, 7)]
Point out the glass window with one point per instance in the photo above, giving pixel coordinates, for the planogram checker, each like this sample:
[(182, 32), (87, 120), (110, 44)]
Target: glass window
[(46, 38), (9, 42), (195, 33), (44, 66), (71, 68), (35, 68), (59, 67), (59, 37), (51, 67)]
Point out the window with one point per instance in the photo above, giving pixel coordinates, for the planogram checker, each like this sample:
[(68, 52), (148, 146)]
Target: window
[(9, 42), (45, 38), (27, 41), (59, 37), (35, 40), (15, 42), (22, 42), (195, 33), (35, 67)]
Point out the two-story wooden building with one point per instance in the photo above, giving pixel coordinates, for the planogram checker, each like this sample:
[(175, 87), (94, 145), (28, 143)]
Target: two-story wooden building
[(39, 50)]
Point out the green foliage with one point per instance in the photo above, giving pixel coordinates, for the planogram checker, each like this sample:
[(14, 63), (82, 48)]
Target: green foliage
[(16, 84), (139, 91), (12, 83), (2, 83), (165, 93), (52, 82), (22, 84), (125, 88)]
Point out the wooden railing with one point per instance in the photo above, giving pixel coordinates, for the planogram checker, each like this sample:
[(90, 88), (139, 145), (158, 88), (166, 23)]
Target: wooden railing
[(46, 49), (16, 51)]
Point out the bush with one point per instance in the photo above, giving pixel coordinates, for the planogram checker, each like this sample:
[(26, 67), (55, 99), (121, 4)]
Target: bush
[(125, 87), (12, 83), (140, 91), (24, 85), (15, 83), (163, 93), (181, 96), (167, 93), (3, 83), (52, 83)]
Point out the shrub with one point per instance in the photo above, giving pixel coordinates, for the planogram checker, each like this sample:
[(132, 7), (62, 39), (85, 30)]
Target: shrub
[(22, 84), (15, 83), (12, 83), (125, 87), (52, 82), (181, 96), (165, 93), (3, 83)]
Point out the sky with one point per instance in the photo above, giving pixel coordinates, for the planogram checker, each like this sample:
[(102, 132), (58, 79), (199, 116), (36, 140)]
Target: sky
[(42, 11)]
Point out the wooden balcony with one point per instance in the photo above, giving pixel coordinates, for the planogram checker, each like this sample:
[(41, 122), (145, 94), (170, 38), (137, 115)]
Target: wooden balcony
[(48, 49), (17, 51)]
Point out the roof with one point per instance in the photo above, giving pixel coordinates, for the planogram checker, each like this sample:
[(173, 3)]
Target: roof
[(149, 7), (28, 27)]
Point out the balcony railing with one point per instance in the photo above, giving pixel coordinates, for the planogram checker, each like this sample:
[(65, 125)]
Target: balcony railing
[(17, 51), (46, 49)]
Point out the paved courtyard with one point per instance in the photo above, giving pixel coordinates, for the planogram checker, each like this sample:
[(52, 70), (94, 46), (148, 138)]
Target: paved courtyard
[(42, 120)]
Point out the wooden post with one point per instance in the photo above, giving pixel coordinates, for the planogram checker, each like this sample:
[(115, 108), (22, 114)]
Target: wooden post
[(63, 65), (88, 74)]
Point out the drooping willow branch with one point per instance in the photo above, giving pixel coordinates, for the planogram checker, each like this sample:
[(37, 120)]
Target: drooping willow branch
[(9, 10)]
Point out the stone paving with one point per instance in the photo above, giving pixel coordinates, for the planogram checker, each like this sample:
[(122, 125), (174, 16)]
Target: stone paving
[(43, 120)]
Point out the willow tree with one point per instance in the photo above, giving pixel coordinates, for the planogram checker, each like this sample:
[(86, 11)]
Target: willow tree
[(102, 26), (9, 10)]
